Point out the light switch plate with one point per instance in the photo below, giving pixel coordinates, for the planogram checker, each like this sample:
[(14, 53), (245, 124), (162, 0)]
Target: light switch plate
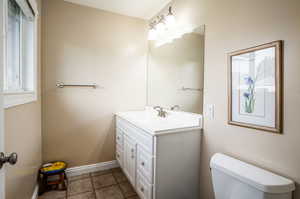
[(210, 111)]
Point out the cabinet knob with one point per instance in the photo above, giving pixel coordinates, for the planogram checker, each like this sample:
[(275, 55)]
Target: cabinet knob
[(132, 150), (132, 157), (118, 138), (142, 189), (143, 163)]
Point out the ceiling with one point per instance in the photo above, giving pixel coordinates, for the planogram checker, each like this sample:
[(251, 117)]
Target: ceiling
[(144, 9)]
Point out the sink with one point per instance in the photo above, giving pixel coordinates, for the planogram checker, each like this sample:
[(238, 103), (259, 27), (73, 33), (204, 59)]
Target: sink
[(149, 120)]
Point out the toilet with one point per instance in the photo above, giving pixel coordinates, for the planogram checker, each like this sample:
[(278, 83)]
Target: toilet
[(234, 179)]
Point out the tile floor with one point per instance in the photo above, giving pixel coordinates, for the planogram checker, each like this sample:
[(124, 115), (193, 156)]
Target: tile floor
[(108, 184)]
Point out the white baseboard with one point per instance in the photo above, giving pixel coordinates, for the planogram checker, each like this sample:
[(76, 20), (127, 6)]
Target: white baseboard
[(35, 194), (74, 171)]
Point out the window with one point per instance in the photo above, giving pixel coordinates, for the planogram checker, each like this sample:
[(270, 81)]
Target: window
[(21, 52)]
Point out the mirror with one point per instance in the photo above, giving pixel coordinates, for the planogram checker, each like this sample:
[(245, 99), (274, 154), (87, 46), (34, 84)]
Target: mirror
[(175, 72)]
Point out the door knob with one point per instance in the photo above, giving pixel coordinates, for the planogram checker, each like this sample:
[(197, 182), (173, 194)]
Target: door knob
[(11, 159)]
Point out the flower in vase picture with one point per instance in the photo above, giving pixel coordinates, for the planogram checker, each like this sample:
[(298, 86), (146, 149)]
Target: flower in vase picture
[(254, 84), (249, 95)]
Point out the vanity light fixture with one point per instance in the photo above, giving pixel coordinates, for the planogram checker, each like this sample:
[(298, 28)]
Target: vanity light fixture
[(160, 25), (164, 29)]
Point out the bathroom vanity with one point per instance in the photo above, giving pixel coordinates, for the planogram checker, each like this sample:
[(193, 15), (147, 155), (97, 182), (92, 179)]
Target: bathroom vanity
[(160, 156)]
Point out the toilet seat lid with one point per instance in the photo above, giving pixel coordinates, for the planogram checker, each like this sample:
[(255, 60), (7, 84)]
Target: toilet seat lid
[(263, 180)]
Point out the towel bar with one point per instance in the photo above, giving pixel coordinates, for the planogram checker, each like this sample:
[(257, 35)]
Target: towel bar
[(62, 85)]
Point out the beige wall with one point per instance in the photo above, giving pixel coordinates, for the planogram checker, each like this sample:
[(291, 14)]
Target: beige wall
[(23, 135), (85, 45), (237, 24), (172, 66), (230, 25), (233, 25)]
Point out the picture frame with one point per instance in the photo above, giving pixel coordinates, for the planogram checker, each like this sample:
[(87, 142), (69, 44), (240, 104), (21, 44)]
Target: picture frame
[(255, 90)]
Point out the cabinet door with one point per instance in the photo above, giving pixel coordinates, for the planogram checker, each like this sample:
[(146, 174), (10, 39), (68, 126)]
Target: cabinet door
[(119, 157), (144, 163), (130, 159), (143, 188)]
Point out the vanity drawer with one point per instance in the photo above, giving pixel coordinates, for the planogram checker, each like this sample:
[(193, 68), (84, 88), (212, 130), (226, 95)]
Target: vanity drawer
[(119, 156), (119, 137), (142, 137), (143, 188), (145, 163)]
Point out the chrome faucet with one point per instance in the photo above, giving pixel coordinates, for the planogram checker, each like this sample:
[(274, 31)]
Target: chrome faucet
[(161, 111), (175, 107)]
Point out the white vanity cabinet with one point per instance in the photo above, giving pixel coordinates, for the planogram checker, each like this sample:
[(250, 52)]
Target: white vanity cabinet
[(162, 164)]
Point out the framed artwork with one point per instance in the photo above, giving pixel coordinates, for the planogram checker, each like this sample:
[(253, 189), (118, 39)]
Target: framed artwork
[(255, 87)]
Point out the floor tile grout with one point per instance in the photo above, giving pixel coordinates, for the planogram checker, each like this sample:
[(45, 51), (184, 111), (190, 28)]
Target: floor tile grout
[(93, 187), (93, 190), (118, 184)]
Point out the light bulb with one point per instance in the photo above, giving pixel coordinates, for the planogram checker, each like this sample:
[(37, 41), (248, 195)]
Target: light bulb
[(170, 20), (152, 34), (160, 27)]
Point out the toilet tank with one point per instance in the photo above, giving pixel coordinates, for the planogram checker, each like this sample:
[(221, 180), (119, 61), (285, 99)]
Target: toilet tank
[(234, 179)]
